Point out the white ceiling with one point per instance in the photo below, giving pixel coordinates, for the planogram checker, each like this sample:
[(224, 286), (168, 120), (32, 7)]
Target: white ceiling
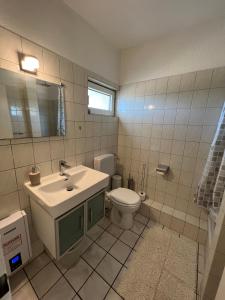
[(128, 23)]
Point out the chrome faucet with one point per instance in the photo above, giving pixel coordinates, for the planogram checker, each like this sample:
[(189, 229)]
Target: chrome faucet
[(63, 165)]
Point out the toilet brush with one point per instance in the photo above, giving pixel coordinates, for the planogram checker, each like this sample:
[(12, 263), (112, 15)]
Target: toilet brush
[(141, 193)]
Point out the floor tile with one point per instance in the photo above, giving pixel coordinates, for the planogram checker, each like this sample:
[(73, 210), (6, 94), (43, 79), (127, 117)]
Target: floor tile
[(95, 232), (76, 298), (112, 295), (129, 238), (114, 230), (94, 289), (104, 223), (93, 255), (84, 244), (61, 290), (26, 292), (109, 268), (120, 251), (153, 224), (66, 262), (138, 244), (137, 227), (130, 259), (71, 258), (45, 279), (37, 264), (78, 274), (106, 240), (17, 281), (142, 219), (123, 273)]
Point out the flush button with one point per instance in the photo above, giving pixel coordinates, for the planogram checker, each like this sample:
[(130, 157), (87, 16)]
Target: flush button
[(4, 287)]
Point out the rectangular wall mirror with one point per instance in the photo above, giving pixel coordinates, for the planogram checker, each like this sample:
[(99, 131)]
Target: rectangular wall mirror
[(30, 107)]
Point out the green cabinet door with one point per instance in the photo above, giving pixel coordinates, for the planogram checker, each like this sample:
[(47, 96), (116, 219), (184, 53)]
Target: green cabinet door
[(70, 229), (95, 209)]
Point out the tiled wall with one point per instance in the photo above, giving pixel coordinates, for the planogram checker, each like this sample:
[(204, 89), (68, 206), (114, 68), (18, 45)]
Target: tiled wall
[(86, 137), (170, 121)]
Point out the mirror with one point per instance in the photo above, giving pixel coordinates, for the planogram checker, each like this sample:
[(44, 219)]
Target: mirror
[(30, 107)]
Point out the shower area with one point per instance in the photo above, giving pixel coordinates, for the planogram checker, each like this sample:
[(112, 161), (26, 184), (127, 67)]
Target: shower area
[(178, 121)]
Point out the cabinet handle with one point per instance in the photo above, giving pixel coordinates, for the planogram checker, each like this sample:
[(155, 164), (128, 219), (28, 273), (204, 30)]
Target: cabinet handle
[(90, 215)]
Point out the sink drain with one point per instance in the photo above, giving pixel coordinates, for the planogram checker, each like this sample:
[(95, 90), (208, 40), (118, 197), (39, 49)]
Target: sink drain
[(69, 188)]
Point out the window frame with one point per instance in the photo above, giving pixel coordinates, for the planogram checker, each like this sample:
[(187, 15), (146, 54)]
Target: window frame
[(104, 89)]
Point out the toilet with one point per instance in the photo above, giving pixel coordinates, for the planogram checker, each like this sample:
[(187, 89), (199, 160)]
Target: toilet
[(124, 201)]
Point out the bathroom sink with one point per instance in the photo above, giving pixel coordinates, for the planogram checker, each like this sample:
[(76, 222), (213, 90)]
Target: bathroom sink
[(52, 193)]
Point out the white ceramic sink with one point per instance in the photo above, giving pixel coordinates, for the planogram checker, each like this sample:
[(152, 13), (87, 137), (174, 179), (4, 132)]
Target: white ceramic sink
[(52, 193)]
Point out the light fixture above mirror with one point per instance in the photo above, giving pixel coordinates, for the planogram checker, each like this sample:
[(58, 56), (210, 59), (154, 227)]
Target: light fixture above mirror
[(28, 63)]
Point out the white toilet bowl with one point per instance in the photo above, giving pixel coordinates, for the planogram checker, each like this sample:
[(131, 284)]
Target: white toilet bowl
[(124, 203)]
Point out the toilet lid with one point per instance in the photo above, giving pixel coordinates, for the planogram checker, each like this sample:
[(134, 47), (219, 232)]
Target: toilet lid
[(125, 196)]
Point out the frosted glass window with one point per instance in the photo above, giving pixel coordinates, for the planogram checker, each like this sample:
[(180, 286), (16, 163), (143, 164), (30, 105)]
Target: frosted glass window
[(100, 99)]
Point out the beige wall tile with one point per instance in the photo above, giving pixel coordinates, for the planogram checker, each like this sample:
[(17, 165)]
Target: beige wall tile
[(13, 43), (154, 214), (22, 175), (69, 91), (80, 75), (66, 69), (177, 225), (173, 84), (41, 152), (23, 154), (57, 150), (203, 79), (7, 182), (6, 158), (191, 231), (45, 168), (187, 81), (165, 219), (200, 98), (218, 78), (9, 204), (51, 63), (216, 97)]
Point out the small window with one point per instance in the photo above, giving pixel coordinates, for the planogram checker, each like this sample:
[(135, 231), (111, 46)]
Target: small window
[(101, 99)]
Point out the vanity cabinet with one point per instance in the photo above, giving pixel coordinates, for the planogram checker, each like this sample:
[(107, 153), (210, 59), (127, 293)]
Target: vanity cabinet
[(61, 234), (95, 210), (70, 229)]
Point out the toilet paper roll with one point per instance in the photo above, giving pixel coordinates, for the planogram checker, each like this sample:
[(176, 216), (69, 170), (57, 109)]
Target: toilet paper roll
[(142, 195), (160, 173)]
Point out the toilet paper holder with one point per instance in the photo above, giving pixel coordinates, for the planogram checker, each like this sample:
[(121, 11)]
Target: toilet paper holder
[(162, 169)]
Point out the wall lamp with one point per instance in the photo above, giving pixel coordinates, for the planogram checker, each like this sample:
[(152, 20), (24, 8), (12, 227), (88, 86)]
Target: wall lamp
[(28, 63)]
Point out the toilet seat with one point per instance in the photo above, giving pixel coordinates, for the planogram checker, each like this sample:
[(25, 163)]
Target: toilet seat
[(125, 197)]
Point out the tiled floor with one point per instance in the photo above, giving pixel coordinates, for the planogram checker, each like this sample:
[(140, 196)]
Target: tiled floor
[(146, 262)]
